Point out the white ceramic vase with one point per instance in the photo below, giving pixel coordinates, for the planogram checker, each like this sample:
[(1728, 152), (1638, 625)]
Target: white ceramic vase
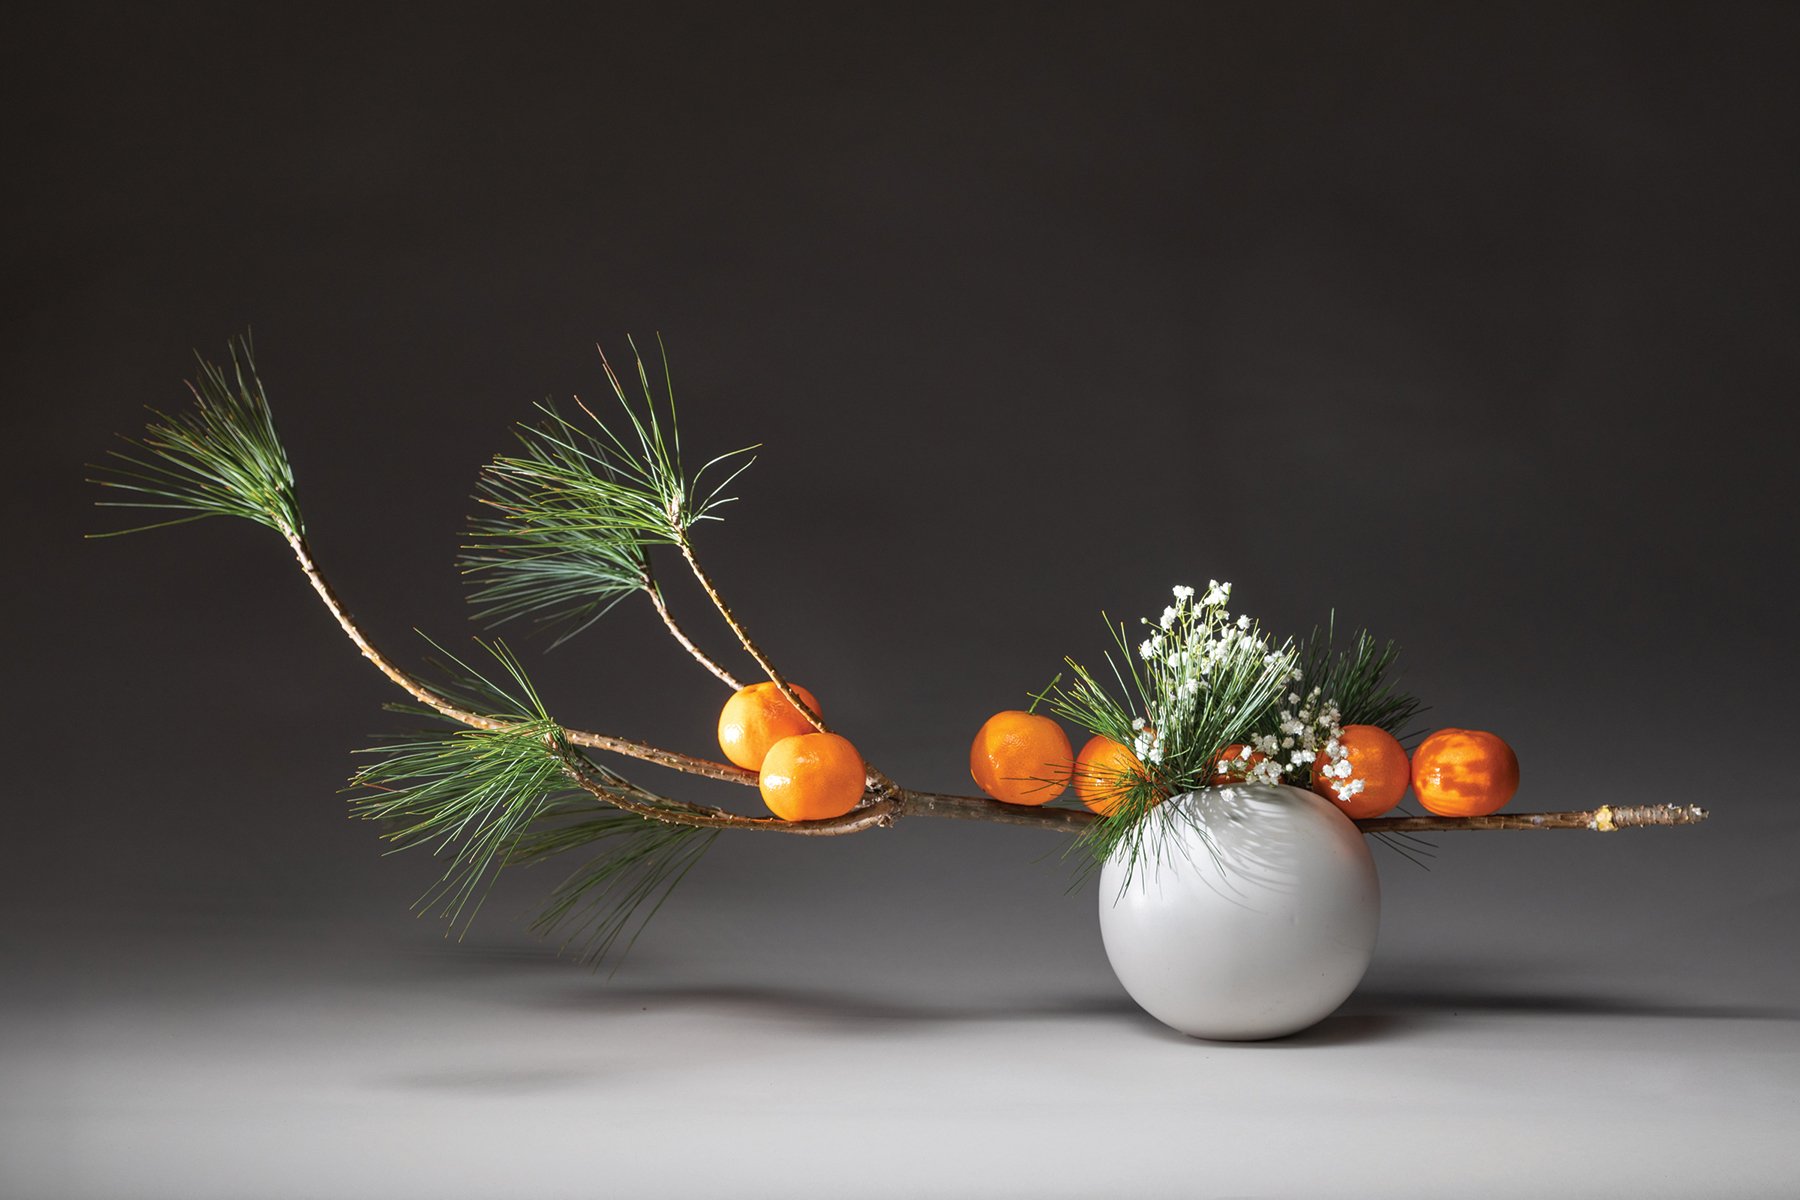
[(1251, 912)]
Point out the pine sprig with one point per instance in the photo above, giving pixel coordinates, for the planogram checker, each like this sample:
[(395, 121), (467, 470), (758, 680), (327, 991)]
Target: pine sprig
[(486, 798), (1138, 788), (559, 556), (1359, 679), (617, 889), (221, 458), (468, 795), (1204, 683), (569, 520)]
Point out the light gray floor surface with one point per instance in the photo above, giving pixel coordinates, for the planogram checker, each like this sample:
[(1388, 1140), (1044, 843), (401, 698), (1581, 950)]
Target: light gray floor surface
[(294, 1065)]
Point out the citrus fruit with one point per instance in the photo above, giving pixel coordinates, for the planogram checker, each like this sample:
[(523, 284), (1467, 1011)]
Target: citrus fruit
[(811, 776), (1232, 764), (1021, 758), (1378, 760), (1464, 773), (758, 716), (1103, 773)]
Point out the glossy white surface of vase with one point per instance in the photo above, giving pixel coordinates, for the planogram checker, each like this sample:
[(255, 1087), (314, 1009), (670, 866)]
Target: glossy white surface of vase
[(1251, 912)]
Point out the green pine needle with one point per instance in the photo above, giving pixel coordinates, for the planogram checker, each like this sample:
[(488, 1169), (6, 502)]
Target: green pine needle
[(468, 795), (570, 519), (483, 799), (1359, 679), (221, 458), (1191, 727), (618, 888)]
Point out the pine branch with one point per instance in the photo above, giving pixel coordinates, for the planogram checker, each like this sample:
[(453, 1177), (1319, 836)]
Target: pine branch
[(487, 798), (560, 577), (662, 610), (224, 459), (573, 516), (878, 782), (744, 639), (1090, 705), (221, 458), (561, 556), (469, 794), (635, 865), (1604, 819), (450, 709), (1175, 714), (1359, 680)]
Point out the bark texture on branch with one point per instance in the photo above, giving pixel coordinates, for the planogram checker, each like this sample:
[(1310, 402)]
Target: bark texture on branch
[(885, 801), (407, 683), (980, 808), (687, 643), (743, 636), (877, 780), (1604, 819), (680, 812), (672, 759)]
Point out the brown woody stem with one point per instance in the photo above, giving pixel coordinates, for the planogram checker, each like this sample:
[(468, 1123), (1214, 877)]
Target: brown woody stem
[(424, 695), (1604, 819), (680, 635), (407, 683), (743, 636), (866, 816), (885, 802), (980, 808), (878, 782)]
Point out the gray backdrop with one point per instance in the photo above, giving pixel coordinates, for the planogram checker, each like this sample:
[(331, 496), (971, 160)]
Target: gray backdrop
[(1478, 327)]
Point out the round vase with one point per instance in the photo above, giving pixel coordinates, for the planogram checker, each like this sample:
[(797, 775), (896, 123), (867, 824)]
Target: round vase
[(1248, 912)]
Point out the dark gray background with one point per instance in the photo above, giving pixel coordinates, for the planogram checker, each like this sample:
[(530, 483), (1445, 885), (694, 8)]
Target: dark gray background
[(1479, 326)]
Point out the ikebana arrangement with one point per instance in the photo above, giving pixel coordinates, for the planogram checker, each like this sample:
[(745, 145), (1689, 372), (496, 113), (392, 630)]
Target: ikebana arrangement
[(1224, 788)]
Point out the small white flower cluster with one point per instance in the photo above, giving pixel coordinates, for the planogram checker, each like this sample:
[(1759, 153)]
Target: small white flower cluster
[(1309, 727), (1194, 643), (1249, 765), (1144, 744)]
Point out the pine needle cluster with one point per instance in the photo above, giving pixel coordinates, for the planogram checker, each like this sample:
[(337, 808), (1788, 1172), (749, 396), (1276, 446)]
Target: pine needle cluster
[(566, 531), (574, 513), (1199, 683), (483, 799), (220, 458), (633, 865), (1360, 679), (466, 794), (569, 520)]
